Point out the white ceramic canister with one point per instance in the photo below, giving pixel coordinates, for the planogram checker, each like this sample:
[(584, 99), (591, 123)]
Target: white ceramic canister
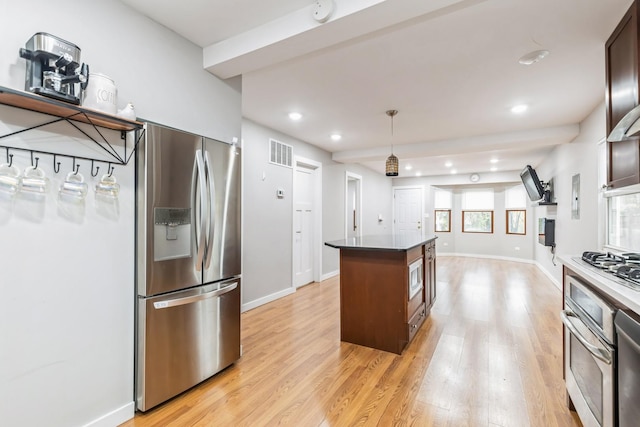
[(101, 94)]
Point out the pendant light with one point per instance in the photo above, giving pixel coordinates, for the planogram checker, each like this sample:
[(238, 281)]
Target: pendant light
[(391, 167)]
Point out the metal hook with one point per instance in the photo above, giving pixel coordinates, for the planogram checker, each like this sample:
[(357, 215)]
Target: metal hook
[(56, 169), (76, 169), (9, 157), (37, 158), (110, 169), (97, 169)]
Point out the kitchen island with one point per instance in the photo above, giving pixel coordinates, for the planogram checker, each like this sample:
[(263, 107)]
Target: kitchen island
[(387, 288)]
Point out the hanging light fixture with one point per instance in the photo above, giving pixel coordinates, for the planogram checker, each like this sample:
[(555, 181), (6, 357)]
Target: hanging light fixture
[(391, 167)]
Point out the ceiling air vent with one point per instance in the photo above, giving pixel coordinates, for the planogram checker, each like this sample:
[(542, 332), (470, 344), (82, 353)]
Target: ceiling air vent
[(280, 153)]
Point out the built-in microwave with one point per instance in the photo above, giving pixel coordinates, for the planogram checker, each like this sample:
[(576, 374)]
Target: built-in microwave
[(415, 277)]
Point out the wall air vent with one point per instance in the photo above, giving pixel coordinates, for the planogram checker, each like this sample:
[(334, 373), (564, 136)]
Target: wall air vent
[(280, 153)]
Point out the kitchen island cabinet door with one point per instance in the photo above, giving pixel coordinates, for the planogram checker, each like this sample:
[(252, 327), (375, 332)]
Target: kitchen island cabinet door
[(622, 56)]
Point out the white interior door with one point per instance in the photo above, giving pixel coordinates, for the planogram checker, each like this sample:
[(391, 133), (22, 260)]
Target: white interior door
[(303, 225), (407, 210), (353, 206)]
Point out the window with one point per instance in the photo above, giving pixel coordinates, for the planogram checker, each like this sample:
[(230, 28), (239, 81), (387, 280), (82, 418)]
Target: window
[(442, 220), (477, 213), (442, 199), (515, 198), (623, 222), (515, 202), (442, 210), (516, 221), (477, 221)]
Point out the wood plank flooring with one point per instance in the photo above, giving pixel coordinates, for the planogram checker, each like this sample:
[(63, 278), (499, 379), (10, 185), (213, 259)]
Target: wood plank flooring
[(490, 354)]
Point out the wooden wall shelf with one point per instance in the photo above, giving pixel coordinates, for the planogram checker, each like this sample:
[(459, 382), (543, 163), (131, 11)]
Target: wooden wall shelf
[(72, 114), (53, 107)]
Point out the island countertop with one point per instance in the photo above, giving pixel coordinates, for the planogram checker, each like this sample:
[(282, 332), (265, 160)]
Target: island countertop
[(383, 242)]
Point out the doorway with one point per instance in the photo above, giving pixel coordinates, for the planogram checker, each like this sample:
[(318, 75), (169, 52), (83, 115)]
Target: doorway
[(307, 221), (407, 209), (353, 205)]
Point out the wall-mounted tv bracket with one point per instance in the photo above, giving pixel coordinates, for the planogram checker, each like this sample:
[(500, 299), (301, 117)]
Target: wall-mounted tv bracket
[(548, 193)]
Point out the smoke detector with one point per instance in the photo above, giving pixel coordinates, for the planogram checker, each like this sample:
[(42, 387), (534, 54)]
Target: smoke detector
[(322, 10)]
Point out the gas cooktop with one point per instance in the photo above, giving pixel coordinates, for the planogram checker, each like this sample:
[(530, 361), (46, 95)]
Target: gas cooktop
[(624, 266)]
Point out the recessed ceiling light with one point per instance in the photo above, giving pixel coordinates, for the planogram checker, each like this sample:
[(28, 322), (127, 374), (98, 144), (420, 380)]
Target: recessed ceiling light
[(448, 164), (408, 167), (453, 171), (494, 160), (519, 109), (493, 169), (418, 173), (533, 57), (295, 116), (336, 137)]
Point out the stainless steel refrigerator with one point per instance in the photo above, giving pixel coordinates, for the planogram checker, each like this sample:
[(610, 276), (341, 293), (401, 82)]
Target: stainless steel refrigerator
[(188, 262)]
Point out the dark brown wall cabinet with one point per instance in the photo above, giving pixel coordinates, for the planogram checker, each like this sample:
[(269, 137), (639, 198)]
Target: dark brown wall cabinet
[(623, 91)]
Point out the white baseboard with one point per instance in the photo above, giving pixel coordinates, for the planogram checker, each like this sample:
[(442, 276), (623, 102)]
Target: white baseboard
[(261, 301), (549, 275), (502, 258), (329, 275), (115, 417)]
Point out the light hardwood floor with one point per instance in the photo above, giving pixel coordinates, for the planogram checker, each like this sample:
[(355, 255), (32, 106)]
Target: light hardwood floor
[(490, 355)]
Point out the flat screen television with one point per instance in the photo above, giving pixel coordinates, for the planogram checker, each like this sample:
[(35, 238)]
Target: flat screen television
[(532, 184)]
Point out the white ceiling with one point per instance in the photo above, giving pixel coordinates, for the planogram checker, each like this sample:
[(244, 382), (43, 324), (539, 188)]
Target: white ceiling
[(449, 66)]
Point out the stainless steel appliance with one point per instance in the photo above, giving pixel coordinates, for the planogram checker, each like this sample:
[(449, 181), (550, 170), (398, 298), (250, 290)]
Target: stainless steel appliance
[(628, 332), (53, 68), (589, 348), (623, 269), (188, 262), (415, 277)]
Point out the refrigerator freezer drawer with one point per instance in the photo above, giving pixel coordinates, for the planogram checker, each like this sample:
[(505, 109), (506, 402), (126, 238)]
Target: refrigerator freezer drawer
[(184, 338)]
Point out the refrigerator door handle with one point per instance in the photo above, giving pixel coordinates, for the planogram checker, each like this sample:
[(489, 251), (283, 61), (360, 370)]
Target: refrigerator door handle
[(211, 204), (189, 300), (199, 173)]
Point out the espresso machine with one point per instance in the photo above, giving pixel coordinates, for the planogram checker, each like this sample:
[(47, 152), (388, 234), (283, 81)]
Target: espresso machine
[(53, 68)]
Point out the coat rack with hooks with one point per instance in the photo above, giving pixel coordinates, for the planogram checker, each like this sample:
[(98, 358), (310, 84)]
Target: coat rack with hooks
[(72, 115), (56, 165)]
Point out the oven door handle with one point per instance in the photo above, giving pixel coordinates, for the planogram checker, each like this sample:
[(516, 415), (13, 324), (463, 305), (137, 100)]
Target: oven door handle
[(597, 352)]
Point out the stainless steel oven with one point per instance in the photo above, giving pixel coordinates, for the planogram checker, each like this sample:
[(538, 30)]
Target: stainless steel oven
[(589, 348)]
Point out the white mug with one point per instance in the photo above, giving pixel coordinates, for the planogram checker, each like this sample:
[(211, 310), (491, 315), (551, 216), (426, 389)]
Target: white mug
[(34, 180), (9, 179), (74, 187), (108, 187)]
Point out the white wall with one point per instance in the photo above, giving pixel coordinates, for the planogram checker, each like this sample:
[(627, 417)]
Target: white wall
[(573, 236), (496, 245), (66, 323), (267, 239)]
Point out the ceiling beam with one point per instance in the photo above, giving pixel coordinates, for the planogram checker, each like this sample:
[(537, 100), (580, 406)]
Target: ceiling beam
[(531, 138), (298, 34)]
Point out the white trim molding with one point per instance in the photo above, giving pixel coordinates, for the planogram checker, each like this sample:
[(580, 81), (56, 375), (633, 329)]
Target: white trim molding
[(267, 299), (329, 275), (115, 417)]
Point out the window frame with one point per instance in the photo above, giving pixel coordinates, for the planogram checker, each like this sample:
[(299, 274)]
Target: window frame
[(464, 212), (508, 212), (435, 220)]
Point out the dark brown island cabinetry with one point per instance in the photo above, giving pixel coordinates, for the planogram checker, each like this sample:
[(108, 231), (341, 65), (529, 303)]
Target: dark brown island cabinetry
[(622, 95), (377, 308)]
